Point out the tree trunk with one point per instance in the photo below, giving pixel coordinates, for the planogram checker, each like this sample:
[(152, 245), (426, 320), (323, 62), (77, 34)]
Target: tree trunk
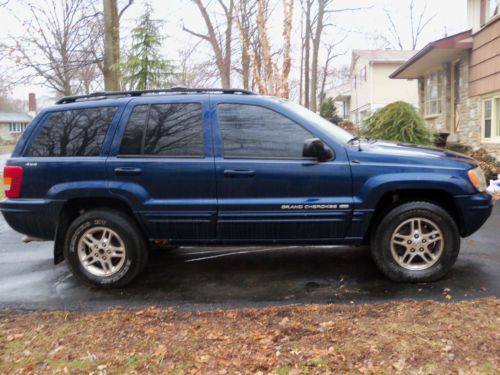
[(315, 53), (307, 48), (266, 48), (222, 58), (287, 60), (111, 46)]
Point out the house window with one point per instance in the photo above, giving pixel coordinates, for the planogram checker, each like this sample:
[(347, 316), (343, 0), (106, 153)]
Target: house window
[(362, 75), (17, 127), (433, 93), (493, 6), (491, 119)]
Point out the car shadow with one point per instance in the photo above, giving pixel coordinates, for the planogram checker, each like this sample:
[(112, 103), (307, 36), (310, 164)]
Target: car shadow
[(240, 276)]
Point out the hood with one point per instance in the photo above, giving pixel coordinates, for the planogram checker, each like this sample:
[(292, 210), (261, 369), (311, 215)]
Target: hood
[(401, 153)]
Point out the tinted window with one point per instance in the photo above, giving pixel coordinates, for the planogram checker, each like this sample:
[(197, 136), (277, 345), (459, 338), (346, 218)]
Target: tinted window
[(79, 132), (132, 139), (171, 130), (250, 131)]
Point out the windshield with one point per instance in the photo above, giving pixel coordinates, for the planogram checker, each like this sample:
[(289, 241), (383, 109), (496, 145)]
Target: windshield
[(333, 130)]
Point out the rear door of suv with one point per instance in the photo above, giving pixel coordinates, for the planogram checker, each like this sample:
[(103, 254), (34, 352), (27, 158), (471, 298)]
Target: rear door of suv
[(161, 163), (267, 191)]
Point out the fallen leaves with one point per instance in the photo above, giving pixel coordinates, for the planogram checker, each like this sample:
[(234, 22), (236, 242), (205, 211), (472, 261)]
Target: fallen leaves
[(398, 337)]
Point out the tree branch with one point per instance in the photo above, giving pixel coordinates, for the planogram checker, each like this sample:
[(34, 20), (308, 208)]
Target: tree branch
[(130, 2)]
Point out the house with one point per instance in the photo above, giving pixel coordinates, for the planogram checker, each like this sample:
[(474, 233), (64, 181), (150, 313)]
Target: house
[(459, 80), (13, 124), (370, 87)]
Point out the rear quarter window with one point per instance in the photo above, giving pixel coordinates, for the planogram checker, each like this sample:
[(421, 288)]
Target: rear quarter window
[(76, 132)]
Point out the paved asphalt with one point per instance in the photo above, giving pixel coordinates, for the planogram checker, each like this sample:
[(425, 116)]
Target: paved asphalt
[(200, 278)]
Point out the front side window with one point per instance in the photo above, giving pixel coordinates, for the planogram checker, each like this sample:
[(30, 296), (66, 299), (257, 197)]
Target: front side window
[(77, 132), (250, 131), (433, 93), (169, 130)]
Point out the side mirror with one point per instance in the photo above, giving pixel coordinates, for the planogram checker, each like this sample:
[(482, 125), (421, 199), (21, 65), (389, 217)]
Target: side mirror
[(315, 148)]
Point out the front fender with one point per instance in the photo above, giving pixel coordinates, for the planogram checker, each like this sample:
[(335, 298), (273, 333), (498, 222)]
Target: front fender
[(372, 190)]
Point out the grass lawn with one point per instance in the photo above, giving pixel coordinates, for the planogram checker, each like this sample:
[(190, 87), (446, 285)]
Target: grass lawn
[(407, 337), (6, 149)]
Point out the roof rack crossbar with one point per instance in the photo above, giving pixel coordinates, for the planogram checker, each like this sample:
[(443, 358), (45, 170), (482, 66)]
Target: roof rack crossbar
[(184, 90)]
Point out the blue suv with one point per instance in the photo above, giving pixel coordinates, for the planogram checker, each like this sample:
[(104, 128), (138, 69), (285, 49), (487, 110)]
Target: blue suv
[(108, 175)]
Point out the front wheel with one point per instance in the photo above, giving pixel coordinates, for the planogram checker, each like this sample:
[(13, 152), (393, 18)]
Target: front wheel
[(416, 242), (104, 248)]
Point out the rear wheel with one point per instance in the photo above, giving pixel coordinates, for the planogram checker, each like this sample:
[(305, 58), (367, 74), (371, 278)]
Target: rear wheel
[(416, 242), (104, 248)]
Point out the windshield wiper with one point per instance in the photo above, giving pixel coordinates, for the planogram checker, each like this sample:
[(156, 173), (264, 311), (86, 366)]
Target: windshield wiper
[(354, 139)]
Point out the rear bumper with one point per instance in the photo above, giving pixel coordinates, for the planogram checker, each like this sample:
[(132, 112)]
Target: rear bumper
[(474, 211), (33, 217)]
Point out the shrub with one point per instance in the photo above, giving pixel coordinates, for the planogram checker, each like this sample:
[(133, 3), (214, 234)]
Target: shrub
[(398, 121), (488, 163), (457, 147), (347, 126)]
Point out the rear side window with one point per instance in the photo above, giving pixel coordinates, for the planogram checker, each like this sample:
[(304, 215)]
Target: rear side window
[(78, 132), (170, 130), (250, 131)]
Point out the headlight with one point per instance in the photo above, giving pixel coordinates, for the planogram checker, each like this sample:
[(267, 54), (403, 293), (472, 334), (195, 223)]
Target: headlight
[(477, 178)]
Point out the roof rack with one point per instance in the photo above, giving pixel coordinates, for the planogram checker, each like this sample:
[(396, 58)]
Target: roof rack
[(173, 90)]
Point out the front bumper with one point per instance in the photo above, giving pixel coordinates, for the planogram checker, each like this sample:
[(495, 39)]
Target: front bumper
[(474, 210)]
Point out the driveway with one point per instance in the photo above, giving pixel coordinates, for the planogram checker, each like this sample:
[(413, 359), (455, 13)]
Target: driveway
[(199, 278)]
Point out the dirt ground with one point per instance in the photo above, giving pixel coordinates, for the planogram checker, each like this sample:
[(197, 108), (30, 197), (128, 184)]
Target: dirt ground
[(398, 337)]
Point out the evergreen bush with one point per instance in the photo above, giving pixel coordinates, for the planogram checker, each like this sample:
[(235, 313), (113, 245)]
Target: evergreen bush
[(399, 122)]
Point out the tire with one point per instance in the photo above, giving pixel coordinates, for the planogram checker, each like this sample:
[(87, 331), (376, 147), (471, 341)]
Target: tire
[(105, 248), (415, 242)]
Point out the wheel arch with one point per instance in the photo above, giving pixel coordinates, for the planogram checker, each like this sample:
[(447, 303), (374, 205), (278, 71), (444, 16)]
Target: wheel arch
[(76, 207), (392, 199)]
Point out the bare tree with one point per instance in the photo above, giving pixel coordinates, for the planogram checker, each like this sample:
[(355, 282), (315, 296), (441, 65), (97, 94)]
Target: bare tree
[(245, 13), (110, 67), (326, 71), (220, 42), (194, 74), (418, 22), (59, 41), (317, 18), (306, 46), (267, 75)]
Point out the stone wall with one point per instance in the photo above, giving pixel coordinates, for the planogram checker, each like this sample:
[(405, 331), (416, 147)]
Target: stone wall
[(470, 114)]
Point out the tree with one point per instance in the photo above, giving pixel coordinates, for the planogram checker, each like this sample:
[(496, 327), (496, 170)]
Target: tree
[(145, 67), (191, 73), (328, 109), (221, 43), (317, 14), (398, 121), (267, 75), (59, 41), (417, 23), (111, 64)]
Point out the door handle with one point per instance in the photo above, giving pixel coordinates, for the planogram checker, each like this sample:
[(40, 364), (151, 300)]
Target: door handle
[(128, 171), (238, 173)]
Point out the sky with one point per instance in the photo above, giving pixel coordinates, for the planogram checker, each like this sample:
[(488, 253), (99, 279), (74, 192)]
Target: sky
[(355, 29)]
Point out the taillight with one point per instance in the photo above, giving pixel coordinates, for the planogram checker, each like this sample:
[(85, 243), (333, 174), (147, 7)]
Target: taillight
[(12, 179)]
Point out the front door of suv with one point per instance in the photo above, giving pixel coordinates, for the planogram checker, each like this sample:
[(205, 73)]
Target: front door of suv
[(266, 190), (162, 164)]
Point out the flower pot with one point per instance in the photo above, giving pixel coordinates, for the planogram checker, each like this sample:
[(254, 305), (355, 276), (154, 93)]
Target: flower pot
[(440, 139)]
